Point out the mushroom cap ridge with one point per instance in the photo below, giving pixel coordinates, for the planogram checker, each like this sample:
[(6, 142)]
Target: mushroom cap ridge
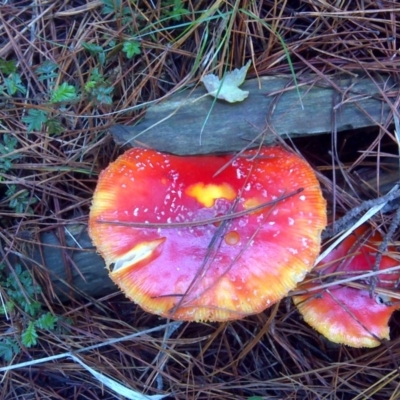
[(217, 271)]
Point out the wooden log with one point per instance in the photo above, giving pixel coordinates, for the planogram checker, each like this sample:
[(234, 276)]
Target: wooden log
[(75, 269), (191, 122), (178, 126), (84, 270)]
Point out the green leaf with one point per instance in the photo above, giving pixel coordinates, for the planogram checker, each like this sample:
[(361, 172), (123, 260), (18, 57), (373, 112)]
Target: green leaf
[(92, 48), (8, 67), (102, 94), (99, 89), (7, 146), (47, 70), (96, 78), (63, 93), (35, 119), (46, 321), (10, 144), (89, 86), (54, 126), (13, 289), (7, 308), (95, 50), (8, 349), (178, 11), (112, 43), (131, 48), (29, 335), (110, 6), (18, 268), (14, 84), (21, 203)]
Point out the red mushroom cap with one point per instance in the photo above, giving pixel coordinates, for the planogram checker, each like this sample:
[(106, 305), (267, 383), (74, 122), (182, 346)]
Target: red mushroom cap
[(207, 271), (345, 314)]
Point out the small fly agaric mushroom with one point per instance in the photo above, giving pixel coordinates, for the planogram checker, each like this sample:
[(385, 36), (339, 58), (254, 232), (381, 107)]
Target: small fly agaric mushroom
[(345, 314), (192, 258)]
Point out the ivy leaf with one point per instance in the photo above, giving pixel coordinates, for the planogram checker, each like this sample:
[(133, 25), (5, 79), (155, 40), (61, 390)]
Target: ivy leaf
[(228, 88), (29, 335), (131, 48), (63, 93), (35, 119), (46, 321)]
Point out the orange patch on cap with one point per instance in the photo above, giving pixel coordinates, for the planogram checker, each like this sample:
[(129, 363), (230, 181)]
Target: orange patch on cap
[(252, 203), (207, 194), (232, 238)]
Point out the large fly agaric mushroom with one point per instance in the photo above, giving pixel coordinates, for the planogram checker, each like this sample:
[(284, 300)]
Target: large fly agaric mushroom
[(207, 237), (343, 313)]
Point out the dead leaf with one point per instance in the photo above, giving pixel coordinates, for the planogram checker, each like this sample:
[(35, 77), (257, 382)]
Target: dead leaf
[(228, 88)]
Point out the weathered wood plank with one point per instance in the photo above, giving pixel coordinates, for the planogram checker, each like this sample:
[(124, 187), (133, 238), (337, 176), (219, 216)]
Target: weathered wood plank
[(87, 273), (191, 123)]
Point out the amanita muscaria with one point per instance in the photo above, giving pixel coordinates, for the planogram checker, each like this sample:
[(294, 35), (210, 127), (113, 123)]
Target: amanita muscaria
[(207, 270), (345, 314)]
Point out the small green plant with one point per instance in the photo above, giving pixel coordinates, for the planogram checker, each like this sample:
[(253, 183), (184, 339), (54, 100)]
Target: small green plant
[(8, 146), (54, 126), (8, 348), (12, 82), (115, 7), (47, 71), (95, 50), (20, 201), (98, 88), (65, 93), (35, 119), (26, 308), (8, 67), (175, 9), (131, 48), (111, 6)]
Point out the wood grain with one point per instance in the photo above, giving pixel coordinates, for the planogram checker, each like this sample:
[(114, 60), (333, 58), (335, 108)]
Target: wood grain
[(191, 122)]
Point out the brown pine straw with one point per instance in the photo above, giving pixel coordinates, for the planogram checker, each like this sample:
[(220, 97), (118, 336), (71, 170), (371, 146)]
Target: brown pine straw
[(273, 355)]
